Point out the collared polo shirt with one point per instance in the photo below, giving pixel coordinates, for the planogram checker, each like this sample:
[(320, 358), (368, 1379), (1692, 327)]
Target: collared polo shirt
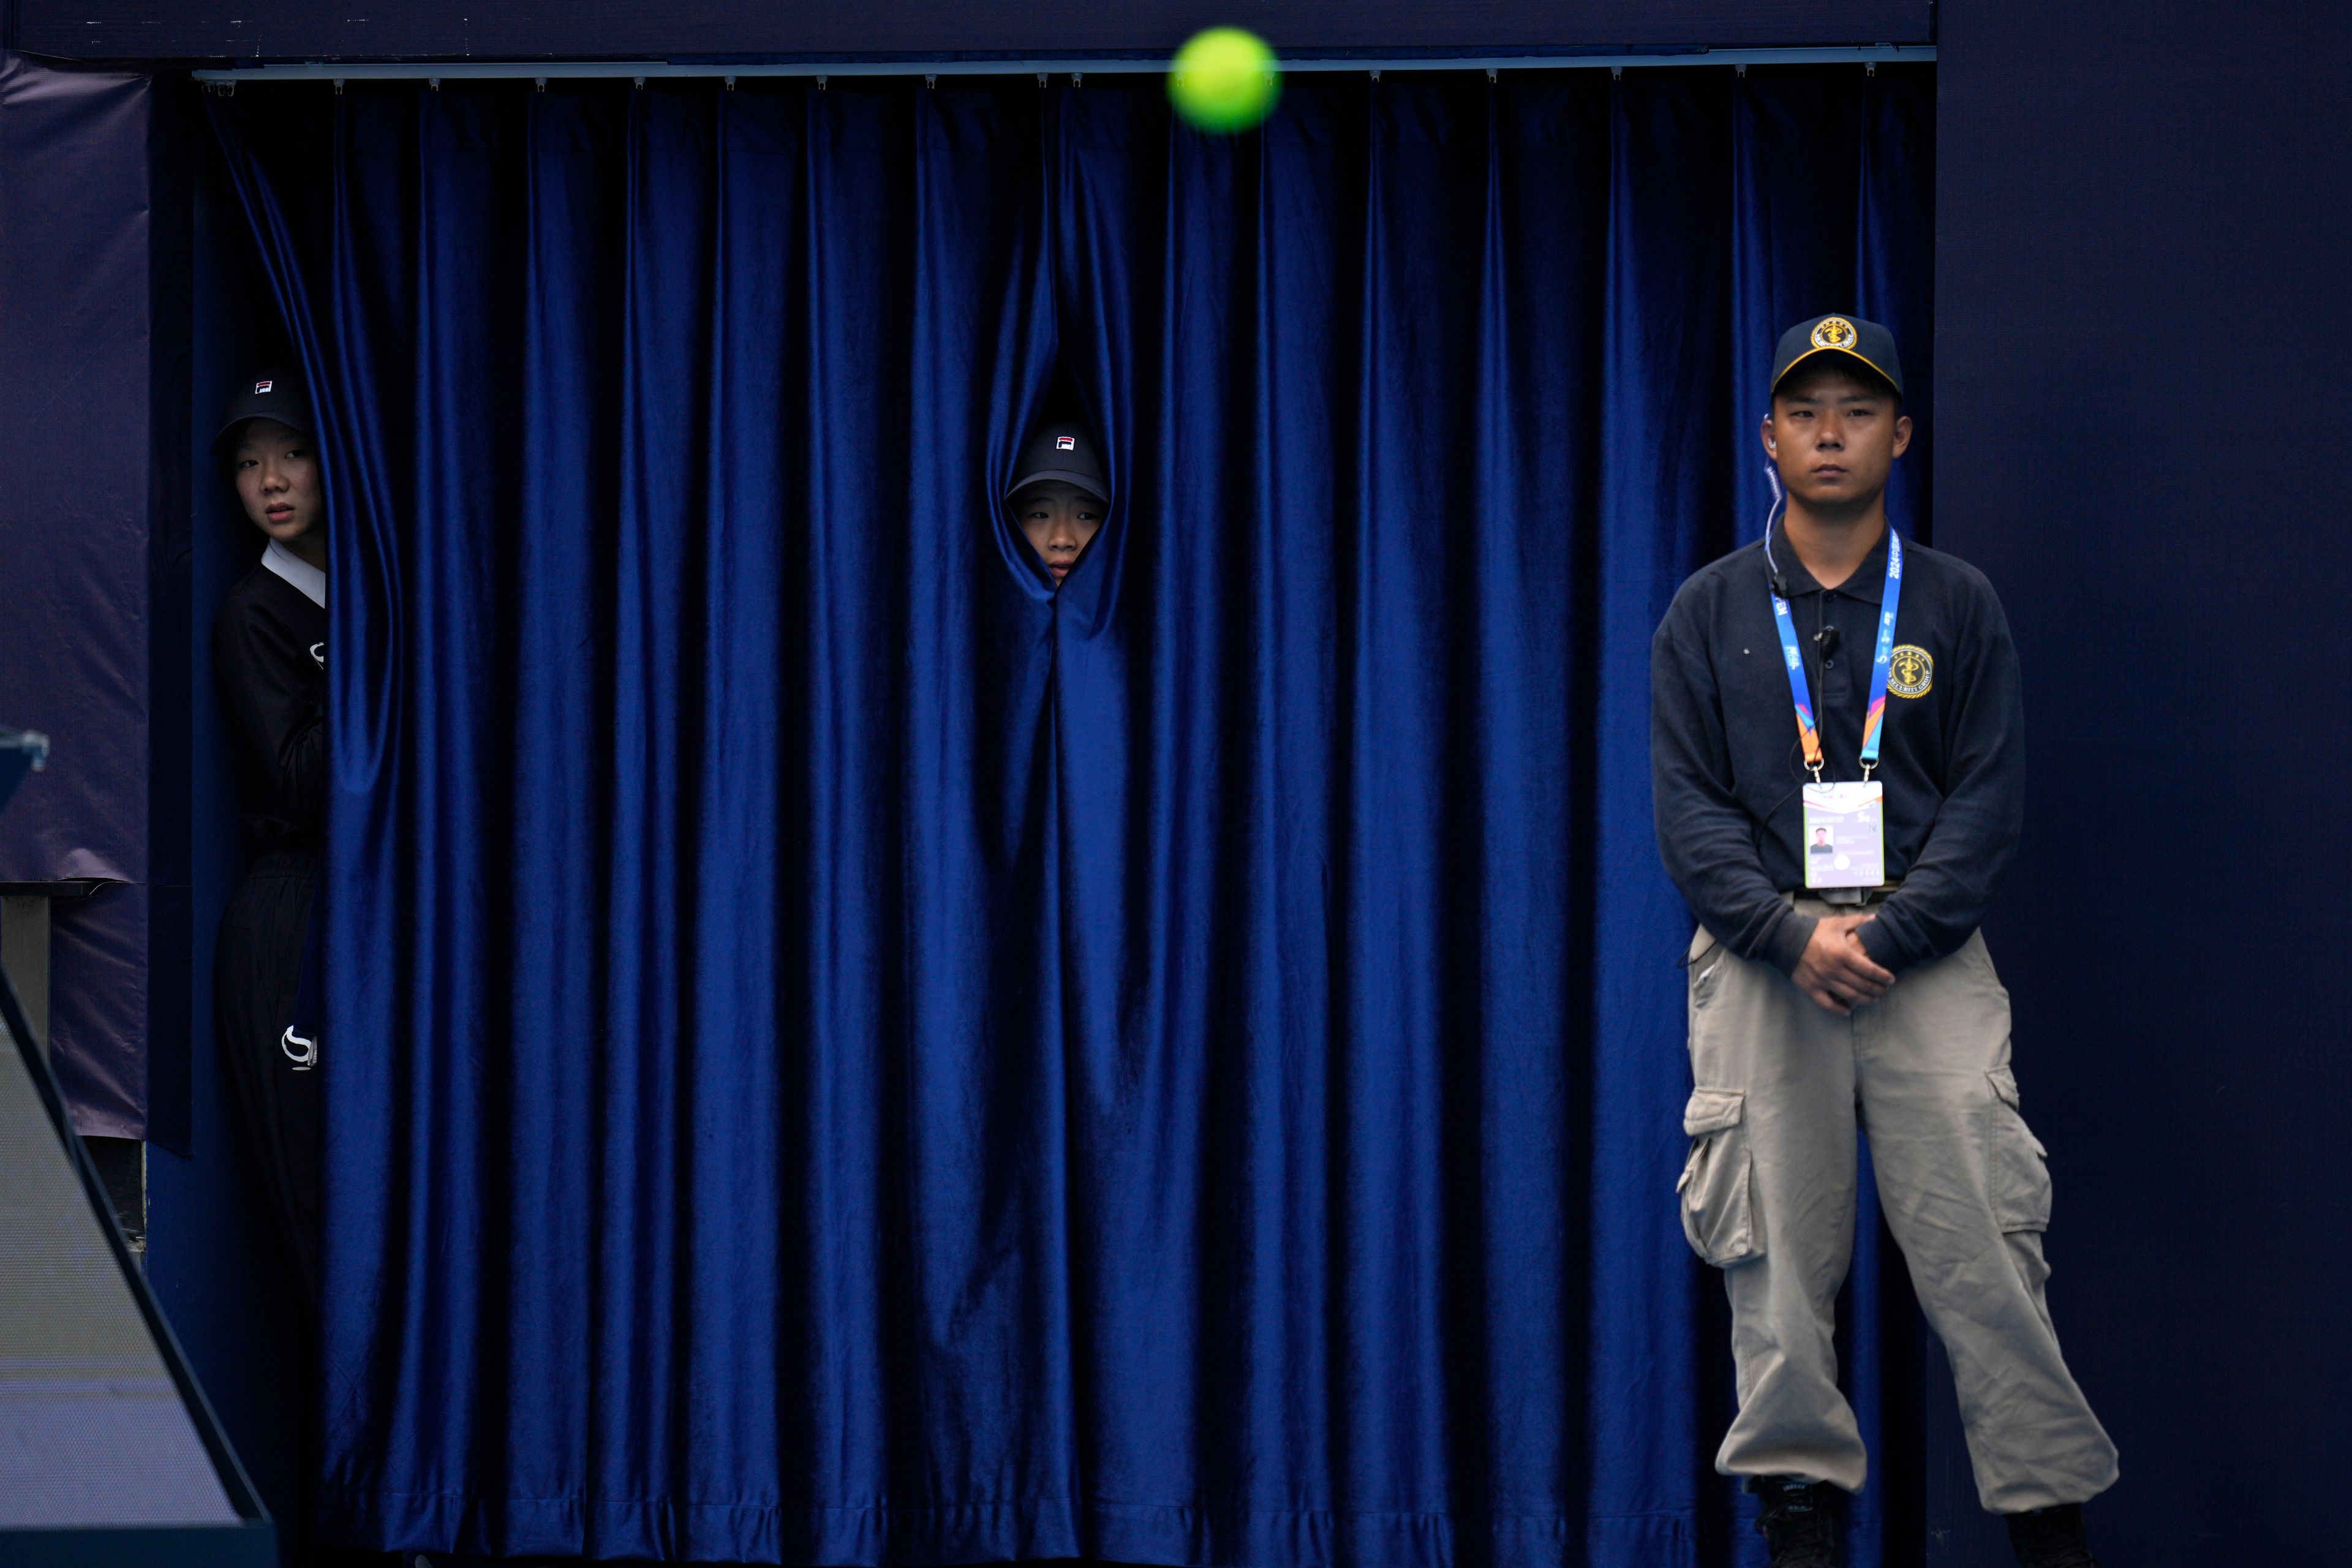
[(1727, 767), (270, 646), (307, 579)]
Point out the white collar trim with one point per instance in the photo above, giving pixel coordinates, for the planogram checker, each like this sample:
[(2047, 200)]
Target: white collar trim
[(297, 571)]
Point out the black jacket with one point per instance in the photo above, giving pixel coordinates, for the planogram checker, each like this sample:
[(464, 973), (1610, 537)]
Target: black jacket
[(1725, 765), (269, 648)]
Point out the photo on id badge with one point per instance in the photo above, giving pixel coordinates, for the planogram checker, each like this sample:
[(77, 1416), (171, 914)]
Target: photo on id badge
[(1846, 843)]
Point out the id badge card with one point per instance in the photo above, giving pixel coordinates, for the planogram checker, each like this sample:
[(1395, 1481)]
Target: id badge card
[(1845, 835)]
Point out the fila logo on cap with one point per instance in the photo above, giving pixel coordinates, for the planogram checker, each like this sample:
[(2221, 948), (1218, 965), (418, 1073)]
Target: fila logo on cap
[(1834, 332), (261, 387), (1066, 443)]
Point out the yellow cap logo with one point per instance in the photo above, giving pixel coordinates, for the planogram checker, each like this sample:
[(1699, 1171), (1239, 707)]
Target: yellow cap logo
[(1834, 332)]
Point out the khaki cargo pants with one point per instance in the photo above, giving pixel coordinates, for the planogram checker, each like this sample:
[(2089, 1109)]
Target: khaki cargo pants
[(1768, 1196)]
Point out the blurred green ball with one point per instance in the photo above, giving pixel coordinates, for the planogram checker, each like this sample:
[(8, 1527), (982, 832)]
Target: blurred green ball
[(1223, 78)]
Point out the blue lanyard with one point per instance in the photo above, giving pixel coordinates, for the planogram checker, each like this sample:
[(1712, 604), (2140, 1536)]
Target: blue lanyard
[(1882, 660)]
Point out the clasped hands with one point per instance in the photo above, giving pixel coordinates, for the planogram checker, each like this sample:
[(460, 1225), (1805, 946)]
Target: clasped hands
[(1836, 970)]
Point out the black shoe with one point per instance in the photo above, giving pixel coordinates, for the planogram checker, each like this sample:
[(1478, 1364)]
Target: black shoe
[(2051, 1538), (1797, 1522)]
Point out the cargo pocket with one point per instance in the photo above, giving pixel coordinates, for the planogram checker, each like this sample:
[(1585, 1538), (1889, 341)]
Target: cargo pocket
[(1718, 1209), (2020, 1168)]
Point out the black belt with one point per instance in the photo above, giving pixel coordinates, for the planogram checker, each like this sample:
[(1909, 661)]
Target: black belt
[(1859, 897)]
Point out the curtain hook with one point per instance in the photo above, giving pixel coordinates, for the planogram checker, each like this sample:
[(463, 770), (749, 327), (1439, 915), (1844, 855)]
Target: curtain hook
[(1376, 73), (339, 87), (434, 82), (1490, 76), (539, 84), (1870, 68), (1741, 68), (1076, 76), (640, 80), (1041, 79), (930, 81), (731, 84), (1616, 73), (820, 83)]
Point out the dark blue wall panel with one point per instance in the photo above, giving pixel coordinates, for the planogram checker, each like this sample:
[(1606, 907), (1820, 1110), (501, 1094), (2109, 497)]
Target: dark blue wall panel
[(303, 29), (93, 301), (2144, 351)]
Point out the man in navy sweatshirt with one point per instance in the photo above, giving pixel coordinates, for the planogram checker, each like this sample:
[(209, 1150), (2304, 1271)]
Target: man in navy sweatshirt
[(1838, 765)]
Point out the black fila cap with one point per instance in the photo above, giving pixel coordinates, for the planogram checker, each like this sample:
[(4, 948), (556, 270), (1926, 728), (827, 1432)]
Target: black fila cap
[(267, 394), (1062, 450), (1849, 336)]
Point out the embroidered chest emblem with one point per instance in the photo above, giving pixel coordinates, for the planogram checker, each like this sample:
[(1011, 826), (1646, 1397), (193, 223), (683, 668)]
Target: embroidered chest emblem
[(1910, 670)]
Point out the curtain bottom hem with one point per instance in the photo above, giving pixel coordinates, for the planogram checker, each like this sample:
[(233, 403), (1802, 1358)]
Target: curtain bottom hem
[(882, 1537)]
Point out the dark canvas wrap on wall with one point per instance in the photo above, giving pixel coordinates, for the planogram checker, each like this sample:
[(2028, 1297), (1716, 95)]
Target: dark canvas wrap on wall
[(841, 1055), (2155, 249), (93, 561)]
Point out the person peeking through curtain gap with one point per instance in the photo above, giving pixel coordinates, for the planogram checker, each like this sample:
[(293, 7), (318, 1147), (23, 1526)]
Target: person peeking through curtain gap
[(276, 469), (270, 660), (1058, 497)]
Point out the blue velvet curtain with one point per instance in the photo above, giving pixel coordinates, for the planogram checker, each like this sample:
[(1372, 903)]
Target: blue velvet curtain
[(837, 1054)]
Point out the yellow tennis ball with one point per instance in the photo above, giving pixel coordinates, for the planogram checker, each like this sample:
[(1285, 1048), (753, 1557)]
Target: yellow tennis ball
[(1223, 78)]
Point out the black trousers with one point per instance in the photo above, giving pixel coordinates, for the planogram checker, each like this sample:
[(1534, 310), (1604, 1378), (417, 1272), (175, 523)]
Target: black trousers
[(274, 1075)]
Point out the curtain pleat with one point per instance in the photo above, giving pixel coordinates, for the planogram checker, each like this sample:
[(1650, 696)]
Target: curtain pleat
[(839, 1054)]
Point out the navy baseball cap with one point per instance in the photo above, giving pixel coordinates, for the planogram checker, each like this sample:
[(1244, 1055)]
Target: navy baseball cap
[(1062, 450), (1850, 336), (273, 393)]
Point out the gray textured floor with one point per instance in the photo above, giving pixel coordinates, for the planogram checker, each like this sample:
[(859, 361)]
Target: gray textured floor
[(92, 1431)]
